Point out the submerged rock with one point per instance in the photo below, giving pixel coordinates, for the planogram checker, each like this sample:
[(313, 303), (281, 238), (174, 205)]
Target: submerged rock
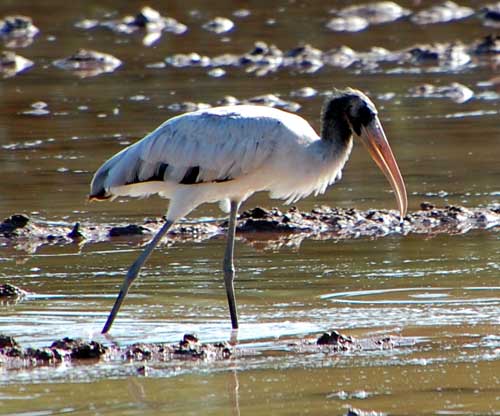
[(490, 15), (17, 31), (265, 58), (11, 64), (37, 109), (456, 92), (341, 57), (187, 106), (347, 24), (193, 59), (490, 45), (376, 12), (447, 55), (442, 13), (219, 25), (88, 63), (261, 60), (269, 100), (148, 20)]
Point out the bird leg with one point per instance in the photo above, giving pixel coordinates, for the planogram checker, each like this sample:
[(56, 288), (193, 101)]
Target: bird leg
[(133, 272), (228, 264)]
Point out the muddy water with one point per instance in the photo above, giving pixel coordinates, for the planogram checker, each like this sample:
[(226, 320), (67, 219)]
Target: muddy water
[(442, 291)]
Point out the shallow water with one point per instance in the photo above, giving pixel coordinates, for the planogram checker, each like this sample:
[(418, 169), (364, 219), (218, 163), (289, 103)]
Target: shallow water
[(442, 291)]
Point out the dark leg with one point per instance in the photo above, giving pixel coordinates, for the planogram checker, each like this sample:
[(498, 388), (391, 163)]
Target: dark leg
[(228, 264), (133, 272)]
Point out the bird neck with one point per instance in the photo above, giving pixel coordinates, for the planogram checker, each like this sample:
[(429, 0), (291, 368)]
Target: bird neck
[(335, 129)]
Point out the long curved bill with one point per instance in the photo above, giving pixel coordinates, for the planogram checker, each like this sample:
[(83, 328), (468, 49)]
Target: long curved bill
[(373, 137)]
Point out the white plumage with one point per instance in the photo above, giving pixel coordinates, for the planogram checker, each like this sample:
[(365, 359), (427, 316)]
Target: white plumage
[(228, 153), (238, 150)]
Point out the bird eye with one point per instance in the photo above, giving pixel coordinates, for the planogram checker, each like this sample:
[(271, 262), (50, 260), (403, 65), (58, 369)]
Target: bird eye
[(365, 115)]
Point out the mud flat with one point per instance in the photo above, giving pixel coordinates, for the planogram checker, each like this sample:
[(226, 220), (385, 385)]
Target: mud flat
[(28, 234), (189, 348)]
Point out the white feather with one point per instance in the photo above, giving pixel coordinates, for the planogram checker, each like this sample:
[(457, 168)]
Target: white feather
[(238, 150)]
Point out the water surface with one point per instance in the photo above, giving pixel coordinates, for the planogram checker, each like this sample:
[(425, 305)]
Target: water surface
[(442, 291)]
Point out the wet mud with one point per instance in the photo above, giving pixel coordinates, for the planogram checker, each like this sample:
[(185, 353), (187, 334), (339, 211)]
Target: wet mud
[(13, 355), (271, 225), (190, 348)]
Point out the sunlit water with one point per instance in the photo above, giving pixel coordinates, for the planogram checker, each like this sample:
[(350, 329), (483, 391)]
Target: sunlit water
[(442, 292)]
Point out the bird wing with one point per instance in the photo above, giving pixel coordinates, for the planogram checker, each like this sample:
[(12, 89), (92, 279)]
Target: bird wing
[(206, 146)]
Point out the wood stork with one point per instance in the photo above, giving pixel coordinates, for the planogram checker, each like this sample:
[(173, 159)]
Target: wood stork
[(226, 154)]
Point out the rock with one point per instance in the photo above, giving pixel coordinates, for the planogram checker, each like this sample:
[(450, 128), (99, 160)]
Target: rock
[(426, 206), (78, 349), (17, 31), (305, 92), (219, 25), (8, 291), (341, 57), (450, 55), (87, 350), (490, 45), (456, 92), (147, 19), (490, 15), (7, 342), (256, 213), (347, 24), (188, 106), (11, 64), (130, 229), (445, 12), (11, 224), (192, 59), (88, 63), (338, 340), (376, 12)]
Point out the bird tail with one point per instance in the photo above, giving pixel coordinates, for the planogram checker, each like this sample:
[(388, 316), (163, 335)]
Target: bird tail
[(112, 173), (97, 190)]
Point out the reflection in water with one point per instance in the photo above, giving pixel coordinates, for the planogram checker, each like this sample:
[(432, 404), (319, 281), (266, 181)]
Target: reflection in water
[(144, 396), (233, 390)]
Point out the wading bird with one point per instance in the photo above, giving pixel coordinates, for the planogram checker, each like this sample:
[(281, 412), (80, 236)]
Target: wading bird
[(226, 154)]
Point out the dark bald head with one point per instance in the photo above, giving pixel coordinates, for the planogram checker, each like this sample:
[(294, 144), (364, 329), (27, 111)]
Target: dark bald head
[(345, 112)]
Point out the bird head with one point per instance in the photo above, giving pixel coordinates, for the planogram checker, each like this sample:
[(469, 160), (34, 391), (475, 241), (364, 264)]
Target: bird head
[(351, 112)]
